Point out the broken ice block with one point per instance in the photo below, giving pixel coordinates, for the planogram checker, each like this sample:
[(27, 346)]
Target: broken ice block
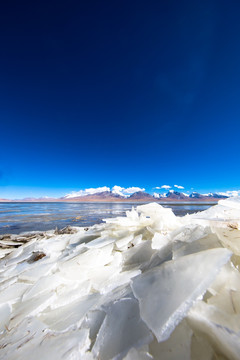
[(167, 292)]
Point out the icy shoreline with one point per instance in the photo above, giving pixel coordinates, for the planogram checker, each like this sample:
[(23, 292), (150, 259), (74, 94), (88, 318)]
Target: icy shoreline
[(150, 285)]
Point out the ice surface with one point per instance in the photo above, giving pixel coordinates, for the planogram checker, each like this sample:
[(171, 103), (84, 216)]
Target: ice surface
[(149, 285)]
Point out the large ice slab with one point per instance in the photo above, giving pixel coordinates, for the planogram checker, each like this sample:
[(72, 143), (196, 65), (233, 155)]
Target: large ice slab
[(122, 329), (166, 293)]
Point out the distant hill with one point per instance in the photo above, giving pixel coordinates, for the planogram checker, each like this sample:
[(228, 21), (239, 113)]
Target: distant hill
[(141, 195), (102, 196)]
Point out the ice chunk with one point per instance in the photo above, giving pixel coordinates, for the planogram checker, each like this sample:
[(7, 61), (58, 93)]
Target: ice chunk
[(68, 293), (117, 280), (31, 307), (120, 292), (135, 354), (122, 244), (5, 314), (37, 272), (4, 252), (221, 330), (122, 329), (158, 257), (201, 349), (137, 255), (70, 315), (162, 218), (225, 210), (166, 293), (69, 345), (20, 254), (13, 293), (233, 203), (229, 234), (93, 321), (100, 242), (57, 244), (181, 248), (225, 290), (190, 233), (45, 284), (7, 282), (96, 257), (28, 334), (178, 346), (159, 241)]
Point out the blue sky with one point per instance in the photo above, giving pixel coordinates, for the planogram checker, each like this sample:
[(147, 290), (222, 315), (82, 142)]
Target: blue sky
[(130, 93)]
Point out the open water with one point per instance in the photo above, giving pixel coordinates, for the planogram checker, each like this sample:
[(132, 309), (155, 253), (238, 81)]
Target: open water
[(20, 217)]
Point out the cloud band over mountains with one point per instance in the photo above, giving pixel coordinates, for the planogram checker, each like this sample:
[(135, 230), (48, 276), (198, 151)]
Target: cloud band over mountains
[(119, 190)]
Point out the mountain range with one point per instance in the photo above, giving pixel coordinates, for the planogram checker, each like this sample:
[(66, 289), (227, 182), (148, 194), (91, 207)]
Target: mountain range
[(139, 196)]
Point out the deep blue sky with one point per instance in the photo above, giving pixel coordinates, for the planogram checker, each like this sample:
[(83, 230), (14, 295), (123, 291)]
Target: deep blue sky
[(133, 93)]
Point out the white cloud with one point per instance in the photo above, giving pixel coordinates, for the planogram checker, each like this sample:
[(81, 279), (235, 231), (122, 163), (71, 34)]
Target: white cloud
[(157, 187), (126, 191), (117, 189), (178, 186), (165, 187), (230, 193), (85, 192), (156, 195), (133, 189)]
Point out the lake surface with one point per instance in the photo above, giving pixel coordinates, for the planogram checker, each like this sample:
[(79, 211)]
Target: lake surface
[(19, 217)]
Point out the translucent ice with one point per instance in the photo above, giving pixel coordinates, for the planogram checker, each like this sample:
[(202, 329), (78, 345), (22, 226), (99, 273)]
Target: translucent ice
[(122, 329), (166, 293)]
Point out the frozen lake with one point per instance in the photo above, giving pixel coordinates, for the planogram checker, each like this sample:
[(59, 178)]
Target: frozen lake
[(19, 217)]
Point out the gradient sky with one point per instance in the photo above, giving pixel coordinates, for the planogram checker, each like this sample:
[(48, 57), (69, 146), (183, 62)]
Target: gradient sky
[(130, 93)]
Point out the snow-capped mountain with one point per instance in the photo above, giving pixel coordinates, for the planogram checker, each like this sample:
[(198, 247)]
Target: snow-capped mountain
[(132, 194), (176, 195)]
